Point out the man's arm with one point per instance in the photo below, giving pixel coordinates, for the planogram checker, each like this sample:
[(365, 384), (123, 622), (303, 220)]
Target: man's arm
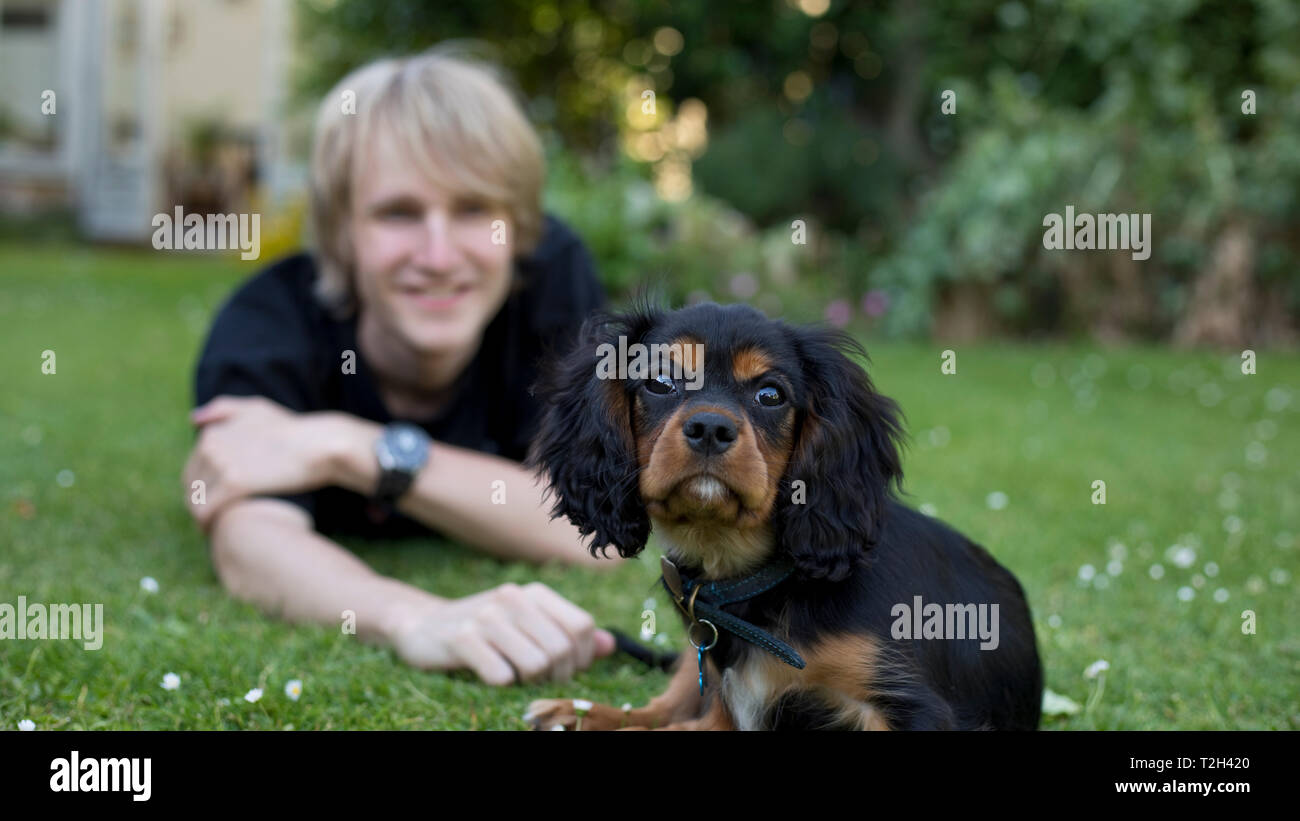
[(266, 552), (456, 492), (250, 446)]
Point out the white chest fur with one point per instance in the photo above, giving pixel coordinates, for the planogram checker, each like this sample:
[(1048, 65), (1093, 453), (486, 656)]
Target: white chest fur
[(747, 692)]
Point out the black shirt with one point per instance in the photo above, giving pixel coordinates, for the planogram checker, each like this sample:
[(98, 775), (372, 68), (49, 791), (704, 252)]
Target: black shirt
[(272, 338)]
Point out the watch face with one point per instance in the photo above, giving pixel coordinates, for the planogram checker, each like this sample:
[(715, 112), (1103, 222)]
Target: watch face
[(406, 441), (407, 447)]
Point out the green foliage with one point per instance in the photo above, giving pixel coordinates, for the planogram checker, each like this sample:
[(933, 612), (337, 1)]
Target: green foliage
[(1111, 106), (1128, 108), (561, 55), (833, 172), (700, 248), (56, 225)]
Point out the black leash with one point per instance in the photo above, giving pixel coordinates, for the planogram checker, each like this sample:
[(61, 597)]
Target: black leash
[(702, 603), (648, 656)]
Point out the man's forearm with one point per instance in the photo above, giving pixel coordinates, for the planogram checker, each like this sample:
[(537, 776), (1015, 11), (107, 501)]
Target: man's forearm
[(457, 493), (266, 552)]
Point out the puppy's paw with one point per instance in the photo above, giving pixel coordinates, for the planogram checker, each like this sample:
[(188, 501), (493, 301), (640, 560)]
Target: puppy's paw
[(576, 714), (552, 714)]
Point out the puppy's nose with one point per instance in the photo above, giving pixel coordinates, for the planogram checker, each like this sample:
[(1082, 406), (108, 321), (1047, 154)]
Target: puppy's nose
[(708, 433)]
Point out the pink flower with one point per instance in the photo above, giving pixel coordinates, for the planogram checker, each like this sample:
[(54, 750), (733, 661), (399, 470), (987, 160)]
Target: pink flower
[(838, 313), (875, 303), (744, 286)]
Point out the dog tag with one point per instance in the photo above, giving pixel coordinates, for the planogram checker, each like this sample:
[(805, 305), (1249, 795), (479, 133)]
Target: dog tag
[(672, 577)]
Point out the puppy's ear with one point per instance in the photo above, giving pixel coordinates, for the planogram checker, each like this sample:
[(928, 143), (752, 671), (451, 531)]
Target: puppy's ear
[(584, 441), (846, 455)]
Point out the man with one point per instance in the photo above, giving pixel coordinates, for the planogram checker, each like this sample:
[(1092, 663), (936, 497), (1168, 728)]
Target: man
[(381, 385)]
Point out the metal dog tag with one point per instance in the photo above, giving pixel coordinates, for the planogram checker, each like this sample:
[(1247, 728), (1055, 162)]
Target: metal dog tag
[(672, 577)]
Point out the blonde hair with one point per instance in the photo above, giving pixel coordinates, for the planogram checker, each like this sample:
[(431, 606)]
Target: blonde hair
[(455, 119)]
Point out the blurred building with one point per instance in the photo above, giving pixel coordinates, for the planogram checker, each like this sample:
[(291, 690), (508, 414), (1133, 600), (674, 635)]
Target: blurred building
[(121, 109)]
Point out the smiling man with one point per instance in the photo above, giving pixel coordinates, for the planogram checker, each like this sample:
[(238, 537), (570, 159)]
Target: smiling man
[(379, 387)]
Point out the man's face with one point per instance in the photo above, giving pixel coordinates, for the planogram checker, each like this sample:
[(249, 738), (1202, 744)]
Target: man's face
[(427, 268)]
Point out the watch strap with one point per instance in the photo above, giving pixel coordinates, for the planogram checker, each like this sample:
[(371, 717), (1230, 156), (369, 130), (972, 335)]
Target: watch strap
[(402, 450), (392, 484)]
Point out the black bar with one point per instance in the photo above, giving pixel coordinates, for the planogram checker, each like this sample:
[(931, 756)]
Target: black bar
[(306, 769)]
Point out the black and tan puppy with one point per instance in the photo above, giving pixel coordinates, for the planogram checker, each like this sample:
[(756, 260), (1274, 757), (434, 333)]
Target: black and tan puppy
[(768, 466)]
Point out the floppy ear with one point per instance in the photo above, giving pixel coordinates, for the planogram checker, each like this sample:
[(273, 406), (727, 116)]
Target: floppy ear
[(846, 454), (584, 441)]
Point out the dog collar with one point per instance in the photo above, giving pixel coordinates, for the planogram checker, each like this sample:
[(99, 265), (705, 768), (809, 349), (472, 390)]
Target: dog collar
[(702, 602)]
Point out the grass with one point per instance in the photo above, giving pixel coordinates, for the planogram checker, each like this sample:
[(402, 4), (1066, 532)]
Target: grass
[(1214, 469)]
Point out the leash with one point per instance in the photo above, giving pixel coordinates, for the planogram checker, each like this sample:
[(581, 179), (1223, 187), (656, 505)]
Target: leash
[(648, 656), (702, 602)]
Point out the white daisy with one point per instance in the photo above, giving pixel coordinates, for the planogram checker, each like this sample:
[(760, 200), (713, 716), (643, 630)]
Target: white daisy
[(171, 681), (293, 689), (253, 695), (1096, 668), (1055, 704)]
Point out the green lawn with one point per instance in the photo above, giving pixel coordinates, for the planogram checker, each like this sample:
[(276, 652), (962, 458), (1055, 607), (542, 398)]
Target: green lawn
[(1201, 457)]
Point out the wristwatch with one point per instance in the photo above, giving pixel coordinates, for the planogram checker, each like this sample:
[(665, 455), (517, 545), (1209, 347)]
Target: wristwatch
[(402, 449)]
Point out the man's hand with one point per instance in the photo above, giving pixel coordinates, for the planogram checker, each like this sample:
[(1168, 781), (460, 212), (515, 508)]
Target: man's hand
[(251, 446), (529, 630)]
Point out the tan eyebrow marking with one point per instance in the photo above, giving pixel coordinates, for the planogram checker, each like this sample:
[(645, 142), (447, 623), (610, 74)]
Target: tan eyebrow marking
[(750, 363), (683, 352)]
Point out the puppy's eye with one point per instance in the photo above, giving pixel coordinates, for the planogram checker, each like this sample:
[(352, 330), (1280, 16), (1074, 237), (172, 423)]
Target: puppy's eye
[(661, 384), (769, 395)]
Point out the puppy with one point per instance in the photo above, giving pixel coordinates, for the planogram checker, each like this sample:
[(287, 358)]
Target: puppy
[(768, 466)]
